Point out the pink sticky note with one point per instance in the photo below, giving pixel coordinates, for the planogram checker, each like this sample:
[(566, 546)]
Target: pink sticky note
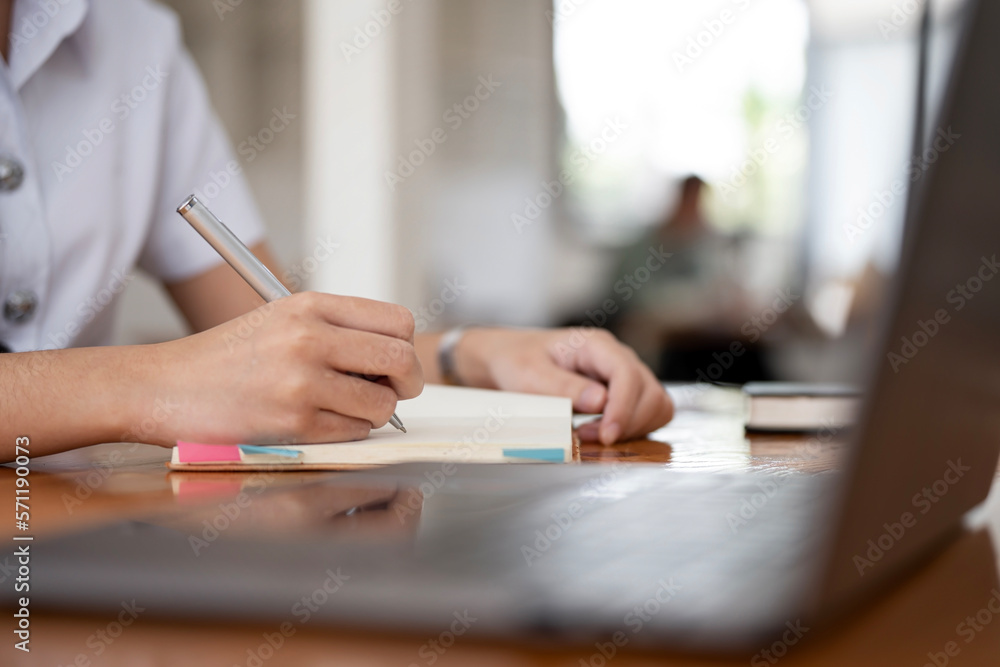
[(193, 452)]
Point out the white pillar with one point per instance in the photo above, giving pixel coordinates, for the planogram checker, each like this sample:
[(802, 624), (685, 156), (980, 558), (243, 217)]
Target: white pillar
[(349, 115)]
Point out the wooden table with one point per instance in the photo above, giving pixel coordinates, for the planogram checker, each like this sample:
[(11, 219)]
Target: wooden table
[(916, 624)]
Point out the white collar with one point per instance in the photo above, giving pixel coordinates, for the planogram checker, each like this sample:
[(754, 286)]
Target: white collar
[(38, 27)]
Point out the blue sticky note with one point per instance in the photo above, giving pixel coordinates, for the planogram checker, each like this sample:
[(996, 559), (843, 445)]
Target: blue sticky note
[(549, 455), (276, 451)]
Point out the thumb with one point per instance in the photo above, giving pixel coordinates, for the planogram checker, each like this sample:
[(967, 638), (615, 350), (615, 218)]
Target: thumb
[(589, 396)]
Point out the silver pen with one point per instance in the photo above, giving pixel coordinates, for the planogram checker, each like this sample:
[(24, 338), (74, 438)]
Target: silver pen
[(240, 258)]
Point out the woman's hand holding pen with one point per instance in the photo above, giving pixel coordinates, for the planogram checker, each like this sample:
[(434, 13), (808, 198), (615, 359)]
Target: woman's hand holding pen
[(283, 373)]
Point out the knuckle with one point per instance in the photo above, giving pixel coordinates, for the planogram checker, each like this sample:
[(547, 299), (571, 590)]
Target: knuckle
[(308, 300), (293, 310), (302, 338), (533, 380), (569, 386), (604, 336), (297, 422), (361, 430), (539, 369), (404, 322), (297, 389)]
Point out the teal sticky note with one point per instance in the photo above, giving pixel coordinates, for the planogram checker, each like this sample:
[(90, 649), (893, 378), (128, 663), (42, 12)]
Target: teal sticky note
[(276, 451), (548, 455)]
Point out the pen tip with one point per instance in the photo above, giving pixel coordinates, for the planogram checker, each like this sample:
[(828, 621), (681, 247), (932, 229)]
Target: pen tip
[(403, 429)]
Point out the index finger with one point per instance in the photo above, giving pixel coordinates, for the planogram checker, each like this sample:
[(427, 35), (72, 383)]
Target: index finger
[(376, 317)]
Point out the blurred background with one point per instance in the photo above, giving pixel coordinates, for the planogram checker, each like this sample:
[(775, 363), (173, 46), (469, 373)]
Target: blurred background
[(714, 181)]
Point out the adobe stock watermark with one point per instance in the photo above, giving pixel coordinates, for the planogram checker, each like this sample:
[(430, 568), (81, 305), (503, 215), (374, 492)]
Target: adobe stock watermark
[(566, 349), (271, 643), (923, 502), (465, 449), (35, 22), (162, 410), (751, 505), (365, 34), (454, 117), (563, 9), (247, 325), (88, 309), (121, 109), (900, 15), (297, 275), (432, 650), (958, 298), (967, 632), (425, 316), (303, 610), (101, 640), (793, 634), (249, 149), (581, 159), (629, 284), (39, 361), (564, 521), (753, 329), (228, 513), (633, 623), (712, 30), (309, 605), (783, 131), (914, 169), (224, 7), (95, 478)]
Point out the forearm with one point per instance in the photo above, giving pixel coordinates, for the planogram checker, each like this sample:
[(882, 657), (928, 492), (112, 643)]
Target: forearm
[(63, 399), (426, 346)]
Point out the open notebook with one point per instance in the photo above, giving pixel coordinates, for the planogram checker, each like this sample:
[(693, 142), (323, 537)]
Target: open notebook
[(443, 424)]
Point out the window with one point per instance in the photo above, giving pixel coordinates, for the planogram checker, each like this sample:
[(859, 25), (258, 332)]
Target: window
[(710, 88)]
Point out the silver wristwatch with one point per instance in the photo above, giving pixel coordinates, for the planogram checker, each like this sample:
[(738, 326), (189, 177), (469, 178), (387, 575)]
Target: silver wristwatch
[(446, 354)]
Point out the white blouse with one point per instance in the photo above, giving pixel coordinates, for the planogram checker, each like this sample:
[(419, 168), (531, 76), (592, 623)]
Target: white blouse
[(105, 128)]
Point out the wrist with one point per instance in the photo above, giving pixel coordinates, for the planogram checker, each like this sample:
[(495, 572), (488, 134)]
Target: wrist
[(471, 358), (141, 374)]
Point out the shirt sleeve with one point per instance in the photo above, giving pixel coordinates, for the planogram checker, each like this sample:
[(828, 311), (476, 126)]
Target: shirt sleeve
[(196, 158)]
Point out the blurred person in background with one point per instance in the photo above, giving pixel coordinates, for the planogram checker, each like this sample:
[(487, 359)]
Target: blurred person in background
[(682, 302)]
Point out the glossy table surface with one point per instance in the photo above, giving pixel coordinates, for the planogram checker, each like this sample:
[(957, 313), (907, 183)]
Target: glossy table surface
[(943, 608)]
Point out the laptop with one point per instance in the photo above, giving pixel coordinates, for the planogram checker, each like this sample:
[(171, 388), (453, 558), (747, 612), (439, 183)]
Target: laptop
[(628, 553)]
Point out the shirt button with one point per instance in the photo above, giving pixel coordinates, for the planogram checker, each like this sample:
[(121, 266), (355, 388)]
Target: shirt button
[(20, 306), (11, 174)]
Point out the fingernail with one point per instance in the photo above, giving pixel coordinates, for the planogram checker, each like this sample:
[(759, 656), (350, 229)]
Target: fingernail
[(592, 398), (611, 433)]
